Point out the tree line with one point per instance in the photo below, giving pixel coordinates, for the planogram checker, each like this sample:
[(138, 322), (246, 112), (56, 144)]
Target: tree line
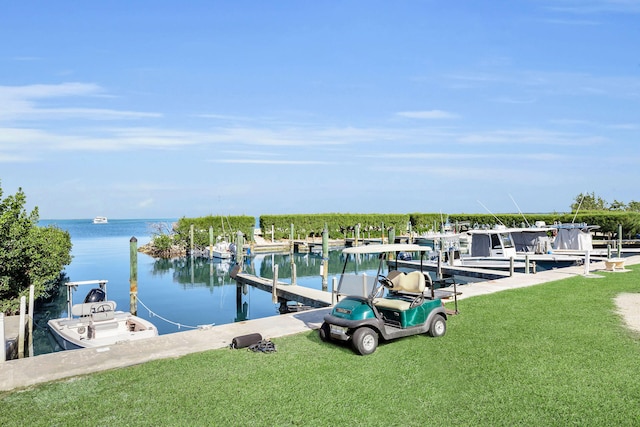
[(29, 254)]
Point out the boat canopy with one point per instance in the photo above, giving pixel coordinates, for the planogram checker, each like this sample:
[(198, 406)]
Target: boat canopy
[(531, 240), (573, 238)]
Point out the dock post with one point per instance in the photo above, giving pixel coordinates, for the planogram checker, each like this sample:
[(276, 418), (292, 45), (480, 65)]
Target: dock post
[(357, 237), (133, 275), (252, 240), (239, 248), (392, 239), (191, 239), (526, 264), (210, 242), (325, 258), (511, 266), (619, 240), (439, 271), (3, 352), (587, 261), (21, 328), (410, 233), (30, 319), (294, 273), (274, 287), (291, 237), (608, 251), (291, 251)]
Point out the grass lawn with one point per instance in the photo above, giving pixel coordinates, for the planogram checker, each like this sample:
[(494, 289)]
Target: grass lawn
[(552, 354)]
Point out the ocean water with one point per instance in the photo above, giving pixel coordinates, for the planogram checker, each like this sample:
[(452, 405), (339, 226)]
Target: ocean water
[(178, 294)]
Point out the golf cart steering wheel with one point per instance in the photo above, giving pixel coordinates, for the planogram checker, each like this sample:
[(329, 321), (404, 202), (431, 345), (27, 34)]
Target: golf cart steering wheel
[(384, 280)]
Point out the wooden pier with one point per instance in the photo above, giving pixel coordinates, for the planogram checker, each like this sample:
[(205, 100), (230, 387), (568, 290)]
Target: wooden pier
[(448, 270), (284, 291)]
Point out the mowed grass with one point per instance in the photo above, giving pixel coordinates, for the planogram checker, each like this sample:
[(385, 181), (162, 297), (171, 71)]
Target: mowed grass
[(552, 354)]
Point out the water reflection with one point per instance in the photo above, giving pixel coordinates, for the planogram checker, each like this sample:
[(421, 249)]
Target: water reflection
[(185, 293)]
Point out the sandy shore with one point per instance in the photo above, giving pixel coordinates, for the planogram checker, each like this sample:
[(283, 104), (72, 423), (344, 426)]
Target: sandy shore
[(629, 307)]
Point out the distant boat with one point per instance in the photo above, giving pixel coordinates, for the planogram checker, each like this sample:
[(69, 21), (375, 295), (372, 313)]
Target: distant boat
[(100, 220), (95, 323)]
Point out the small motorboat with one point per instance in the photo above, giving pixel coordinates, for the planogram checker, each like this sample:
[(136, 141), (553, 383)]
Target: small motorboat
[(223, 250), (95, 322), (100, 220)]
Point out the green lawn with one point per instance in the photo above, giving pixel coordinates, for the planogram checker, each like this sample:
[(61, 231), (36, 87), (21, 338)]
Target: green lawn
[(552, 354)]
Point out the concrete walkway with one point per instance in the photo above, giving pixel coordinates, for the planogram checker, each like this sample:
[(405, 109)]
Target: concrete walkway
[(54, 366)]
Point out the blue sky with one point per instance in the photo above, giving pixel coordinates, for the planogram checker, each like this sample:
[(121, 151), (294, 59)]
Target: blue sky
[(153, 109)]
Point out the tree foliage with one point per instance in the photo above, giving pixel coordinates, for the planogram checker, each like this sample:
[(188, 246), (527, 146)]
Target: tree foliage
[(222, 227), (338, 225), (29, 254)]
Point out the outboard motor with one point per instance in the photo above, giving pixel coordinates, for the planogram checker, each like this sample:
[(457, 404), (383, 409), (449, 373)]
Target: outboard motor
[(95, 295)]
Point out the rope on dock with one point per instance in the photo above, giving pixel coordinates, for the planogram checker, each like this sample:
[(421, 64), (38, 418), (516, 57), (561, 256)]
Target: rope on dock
[(179, 325)]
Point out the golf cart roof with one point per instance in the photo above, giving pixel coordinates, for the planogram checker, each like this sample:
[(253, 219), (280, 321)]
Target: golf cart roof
[(377, 249)]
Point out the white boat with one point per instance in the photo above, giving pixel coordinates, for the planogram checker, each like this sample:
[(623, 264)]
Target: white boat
[(100, 220), (535, 244), (96, 323), (223, 250)]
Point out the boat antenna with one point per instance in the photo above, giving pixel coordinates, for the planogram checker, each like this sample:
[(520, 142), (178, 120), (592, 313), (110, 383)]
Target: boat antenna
[(524, 217), (497, 219), (576, 214)]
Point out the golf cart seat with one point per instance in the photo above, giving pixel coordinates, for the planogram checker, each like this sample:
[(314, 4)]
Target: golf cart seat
[(407, 291)]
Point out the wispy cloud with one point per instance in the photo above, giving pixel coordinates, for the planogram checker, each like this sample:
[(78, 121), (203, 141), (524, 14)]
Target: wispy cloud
[(594, 6), (429, 115), (531, 136), (23, 103), (272, 162)]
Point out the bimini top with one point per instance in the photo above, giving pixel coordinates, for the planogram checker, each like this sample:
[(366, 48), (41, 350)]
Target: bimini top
[(377, 249)]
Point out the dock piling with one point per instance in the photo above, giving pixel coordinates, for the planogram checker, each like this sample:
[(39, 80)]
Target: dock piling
[(587, 260), (30, 319), (325, 258), (133, 276), (274, 286), (21, 328), (210, 242), (3, 353)]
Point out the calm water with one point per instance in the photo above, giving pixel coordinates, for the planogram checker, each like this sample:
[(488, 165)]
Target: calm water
[(182, 293)]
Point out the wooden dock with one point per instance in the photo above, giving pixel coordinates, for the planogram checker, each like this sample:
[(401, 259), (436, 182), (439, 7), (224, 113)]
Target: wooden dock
[(448, 270), (284, 291)]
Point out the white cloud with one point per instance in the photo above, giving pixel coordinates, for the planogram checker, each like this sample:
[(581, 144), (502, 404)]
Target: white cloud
[(20, 103), (271, 162), (429, 115), (594, 6)]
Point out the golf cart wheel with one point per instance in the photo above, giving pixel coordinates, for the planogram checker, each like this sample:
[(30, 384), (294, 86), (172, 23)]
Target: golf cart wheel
[(438, 326), (365, 341), (324, 332)]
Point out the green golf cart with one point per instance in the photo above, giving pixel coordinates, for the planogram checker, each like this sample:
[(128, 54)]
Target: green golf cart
[(384, 307)]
